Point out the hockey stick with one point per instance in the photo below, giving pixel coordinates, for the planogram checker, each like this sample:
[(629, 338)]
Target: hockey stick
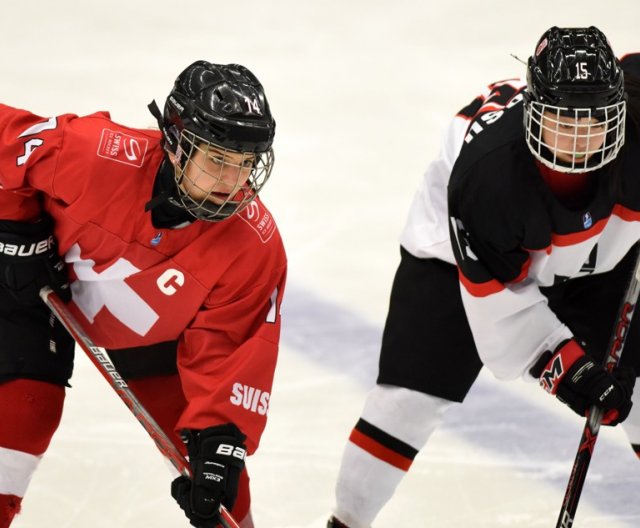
[(592, 426), (101, 360)]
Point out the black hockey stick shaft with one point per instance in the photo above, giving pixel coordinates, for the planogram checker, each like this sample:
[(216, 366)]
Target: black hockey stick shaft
[(592, 426), (101, 360)]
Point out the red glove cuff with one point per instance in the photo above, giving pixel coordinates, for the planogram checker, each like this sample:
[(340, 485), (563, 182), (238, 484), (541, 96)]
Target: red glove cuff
[(559, 365)]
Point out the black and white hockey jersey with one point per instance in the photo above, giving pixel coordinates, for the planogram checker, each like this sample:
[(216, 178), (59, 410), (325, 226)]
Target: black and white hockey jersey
[(484, 206)]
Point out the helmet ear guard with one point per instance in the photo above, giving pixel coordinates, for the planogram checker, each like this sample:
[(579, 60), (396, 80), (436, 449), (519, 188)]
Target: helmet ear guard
[(575, 87)]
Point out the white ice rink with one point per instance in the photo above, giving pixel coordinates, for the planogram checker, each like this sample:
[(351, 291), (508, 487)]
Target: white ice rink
[(361, 91)]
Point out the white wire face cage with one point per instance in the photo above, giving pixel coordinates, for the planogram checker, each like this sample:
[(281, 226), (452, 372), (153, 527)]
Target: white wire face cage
[(574, 140), (215, 183)]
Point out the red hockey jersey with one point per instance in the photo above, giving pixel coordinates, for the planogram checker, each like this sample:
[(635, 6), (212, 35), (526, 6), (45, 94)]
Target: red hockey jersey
[(215, 287)]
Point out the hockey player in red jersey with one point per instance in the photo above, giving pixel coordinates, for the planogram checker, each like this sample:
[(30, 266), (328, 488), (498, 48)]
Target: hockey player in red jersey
[(516, 254), (174, 265)]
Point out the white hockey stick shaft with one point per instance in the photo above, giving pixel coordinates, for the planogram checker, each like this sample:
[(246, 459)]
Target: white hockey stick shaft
[(101, 360)]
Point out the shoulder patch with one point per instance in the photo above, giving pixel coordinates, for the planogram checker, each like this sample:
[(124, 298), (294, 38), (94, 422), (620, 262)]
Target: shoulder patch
[(260, 220), (123, 148)]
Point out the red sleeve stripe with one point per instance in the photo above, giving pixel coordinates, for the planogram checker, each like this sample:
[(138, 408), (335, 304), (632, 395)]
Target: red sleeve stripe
[(465, 117), (547, 249), (491, 107), (625, 214), (379, 451), (575, 238), (483, 289), (524, 271), (492, 286)]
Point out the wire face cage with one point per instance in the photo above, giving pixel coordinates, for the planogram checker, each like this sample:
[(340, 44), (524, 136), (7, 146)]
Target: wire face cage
[(214, 182), (574, 139)]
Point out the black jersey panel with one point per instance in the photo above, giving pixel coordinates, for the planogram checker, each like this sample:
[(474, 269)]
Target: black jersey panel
[(501, 209)]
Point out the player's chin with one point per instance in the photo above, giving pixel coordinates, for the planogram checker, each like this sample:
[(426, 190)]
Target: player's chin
[(572, 158), (580, 158)]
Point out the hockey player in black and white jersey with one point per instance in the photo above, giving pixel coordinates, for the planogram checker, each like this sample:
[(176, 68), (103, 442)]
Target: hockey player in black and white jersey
[(516, 254)]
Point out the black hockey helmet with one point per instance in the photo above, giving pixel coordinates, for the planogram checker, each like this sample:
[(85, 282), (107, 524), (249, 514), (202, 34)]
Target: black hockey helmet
[(575, 67), (217, 112), (223, 104), (575, 91)]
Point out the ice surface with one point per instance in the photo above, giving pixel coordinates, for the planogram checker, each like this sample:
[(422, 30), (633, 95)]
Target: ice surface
[(361, 91)]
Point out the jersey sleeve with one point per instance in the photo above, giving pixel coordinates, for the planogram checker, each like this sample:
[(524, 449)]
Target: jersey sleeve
[(29, 146), (426, 233), (227, 357), (426, 230), (508, 315)]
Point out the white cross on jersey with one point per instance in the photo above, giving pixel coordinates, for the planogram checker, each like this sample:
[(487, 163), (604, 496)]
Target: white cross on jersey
[(107, 289)]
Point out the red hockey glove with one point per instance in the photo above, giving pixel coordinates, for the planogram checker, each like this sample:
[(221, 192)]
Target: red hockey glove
[(216, 455), (29, 260), (576, 380)]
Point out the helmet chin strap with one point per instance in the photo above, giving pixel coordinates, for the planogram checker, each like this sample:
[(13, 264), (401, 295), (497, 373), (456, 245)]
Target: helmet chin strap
[(155, 112), (170, 139), (156, 201), (165, 212), (163, 196)]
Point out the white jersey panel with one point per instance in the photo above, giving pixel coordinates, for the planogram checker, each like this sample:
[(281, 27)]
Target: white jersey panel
[(426, 231), (615, 241), (598, 254), (513, 327)]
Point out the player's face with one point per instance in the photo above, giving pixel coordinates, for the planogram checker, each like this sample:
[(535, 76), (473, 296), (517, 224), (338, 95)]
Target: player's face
[(216, 175), (572, 140)]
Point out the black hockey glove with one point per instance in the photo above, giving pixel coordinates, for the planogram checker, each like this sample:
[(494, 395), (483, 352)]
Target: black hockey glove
[(216, 455), (576, 380), (29, 260)]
